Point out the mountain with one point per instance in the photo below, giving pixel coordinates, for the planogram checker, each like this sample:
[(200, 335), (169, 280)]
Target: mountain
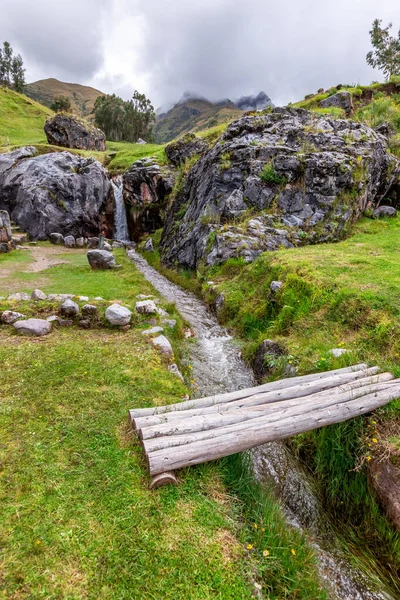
[(82, 97), (195, 113), (21, 119)]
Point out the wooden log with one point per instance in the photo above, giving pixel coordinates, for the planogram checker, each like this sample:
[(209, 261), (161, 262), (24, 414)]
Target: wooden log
[(296, 391), (300, 410), (237, 395), (199, 452), (162, 479), (239, 415)]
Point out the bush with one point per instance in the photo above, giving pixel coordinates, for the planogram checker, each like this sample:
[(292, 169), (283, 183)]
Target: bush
[(269, 175)]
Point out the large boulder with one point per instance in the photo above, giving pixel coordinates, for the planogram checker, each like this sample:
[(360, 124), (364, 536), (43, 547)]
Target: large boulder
[(304, 177), (101, 259), (339, 100), (179, 151), (57, 192), (70, 132), (34, 327), (145, 190)]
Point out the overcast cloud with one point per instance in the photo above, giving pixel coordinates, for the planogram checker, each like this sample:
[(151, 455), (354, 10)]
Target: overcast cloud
[(216, 48)]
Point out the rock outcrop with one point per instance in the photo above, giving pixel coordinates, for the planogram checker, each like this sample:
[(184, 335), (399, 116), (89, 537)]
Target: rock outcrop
[(70, 132), (339, 100), (286, 178), (187, 146), (145, 191), (55, 193)]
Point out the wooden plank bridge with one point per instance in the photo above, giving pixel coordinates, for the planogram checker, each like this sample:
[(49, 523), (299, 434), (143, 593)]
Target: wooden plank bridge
[(197, 431)]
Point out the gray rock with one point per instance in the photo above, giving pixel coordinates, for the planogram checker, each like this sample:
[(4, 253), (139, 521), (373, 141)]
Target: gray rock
[(19, 296), (83, 298), (56, 320), (180, 150), (5, 227), (219, 303), (85, 323), (59, 297), (339, 100), (118, 315), (153, 331), (385, 211), (175, 371), (276, 286), (34, 327), (101, 259), (338, 352), (69, 241), (89, 310), (116, 245), (55, 192), (265, 357), (4, 248), (163, 345), (99, 298), (80, 242), (140, 141), (69, 309), (171, 323), (57, 239), (38, 295), (107, 247), (70, 132), (93, 242), (162, 312), (9, 317), (144, 296), (149, 246), (146, 307)]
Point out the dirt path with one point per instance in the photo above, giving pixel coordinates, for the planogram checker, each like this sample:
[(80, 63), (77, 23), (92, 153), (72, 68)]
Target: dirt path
[(43, 258)]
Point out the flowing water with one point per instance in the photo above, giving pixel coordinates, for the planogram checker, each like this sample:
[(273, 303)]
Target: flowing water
[(217, 368), (120, 221)]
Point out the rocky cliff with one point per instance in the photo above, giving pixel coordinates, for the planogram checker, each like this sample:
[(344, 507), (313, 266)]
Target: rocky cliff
[(285, 178)]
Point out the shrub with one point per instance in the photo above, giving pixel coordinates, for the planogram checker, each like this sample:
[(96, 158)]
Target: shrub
[(269, 175)]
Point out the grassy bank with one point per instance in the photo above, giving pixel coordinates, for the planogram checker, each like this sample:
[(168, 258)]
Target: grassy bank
[(77, 518)]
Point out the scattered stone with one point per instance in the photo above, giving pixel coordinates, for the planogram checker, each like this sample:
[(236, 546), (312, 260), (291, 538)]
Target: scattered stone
[(276, 286), (99, 298), (107, 246), (57, 239), (149, 246), (69, 241), (152, 322), (53, 319), (125, 327), (384, 211), (290, 371), (338, 352), (69, 132), (153, 330), (19, 296), (38, 295), (56, 320), (175, 371), (141, 141), (4, 248), (69, 309), (171, 323), (84, 323), (266, 355), (117, 245), (146, 307), (34, 327), (93, 242), (162, 312), (101, 259), (219, 302), (83, 298), (144, 297), (80, 242), (59, 297), (89, 310), (9, 317), (163, 345), (118, 315)]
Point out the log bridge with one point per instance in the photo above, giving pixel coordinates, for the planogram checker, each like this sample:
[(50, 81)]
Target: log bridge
[(196, 431)]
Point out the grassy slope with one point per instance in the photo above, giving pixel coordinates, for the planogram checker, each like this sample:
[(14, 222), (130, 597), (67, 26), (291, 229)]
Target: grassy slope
[(77, 518), (82, 97)]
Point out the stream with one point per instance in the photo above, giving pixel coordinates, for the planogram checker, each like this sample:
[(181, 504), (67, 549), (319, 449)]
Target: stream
[(217, 368)]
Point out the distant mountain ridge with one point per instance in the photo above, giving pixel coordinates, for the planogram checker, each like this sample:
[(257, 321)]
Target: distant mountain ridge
[(82, 97), (194, 113)]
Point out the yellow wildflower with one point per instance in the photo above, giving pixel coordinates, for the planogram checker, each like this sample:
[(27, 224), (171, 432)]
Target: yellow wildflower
[(266, 553), (368, 458), (375, 440), (249, 546), (293, 551), (38, 542), (255, 526)]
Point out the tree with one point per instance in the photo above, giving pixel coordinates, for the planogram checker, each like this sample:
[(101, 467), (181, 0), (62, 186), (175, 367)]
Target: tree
[(61, 104), (386, 55), (125, 121), (12, 72)]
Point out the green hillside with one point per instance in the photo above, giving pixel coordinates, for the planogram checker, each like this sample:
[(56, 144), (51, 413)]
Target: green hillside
[(21, 119), (82, 97)]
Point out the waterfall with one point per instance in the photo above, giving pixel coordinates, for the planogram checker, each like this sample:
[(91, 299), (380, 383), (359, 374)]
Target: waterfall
[(120, 222)]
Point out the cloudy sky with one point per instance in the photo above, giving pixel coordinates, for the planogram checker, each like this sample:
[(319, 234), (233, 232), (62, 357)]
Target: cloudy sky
[(216, 48)]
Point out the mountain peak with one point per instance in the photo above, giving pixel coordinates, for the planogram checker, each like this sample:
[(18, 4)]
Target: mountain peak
[(254, 102)]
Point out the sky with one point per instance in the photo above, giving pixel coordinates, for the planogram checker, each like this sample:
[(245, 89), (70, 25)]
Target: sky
[(214, 48)]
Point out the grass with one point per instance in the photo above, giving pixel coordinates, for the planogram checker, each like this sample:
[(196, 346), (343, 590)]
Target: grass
[(77, 519)]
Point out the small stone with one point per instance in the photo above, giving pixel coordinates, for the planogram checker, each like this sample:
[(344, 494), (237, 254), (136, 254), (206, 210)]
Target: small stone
[(152, 322), (338, 352), (53, 319), (146, 307), (149, 246), (101, 259), (83, 298), (163, 345), (9, 317), (99, 298), (116, 245), (384, 211), (59, 297), (4, 248), (175, 371), (93, 242), (162, 312), (125, 327), (153, 331), (171, 323), (107, 247), (276, 286), (69, 309), (57, 239), (69, 241), (80, 242), (34, 327), (89, 309), (38, 295), (118, 315), (19, 296), (84, 324), (56, 320)]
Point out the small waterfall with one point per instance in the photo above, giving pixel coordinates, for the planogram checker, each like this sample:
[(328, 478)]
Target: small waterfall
[(120, 222)]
